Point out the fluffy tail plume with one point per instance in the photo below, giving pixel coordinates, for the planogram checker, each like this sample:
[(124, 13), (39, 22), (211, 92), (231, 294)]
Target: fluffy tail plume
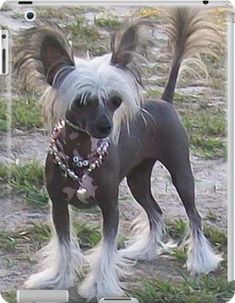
[(190, 34)]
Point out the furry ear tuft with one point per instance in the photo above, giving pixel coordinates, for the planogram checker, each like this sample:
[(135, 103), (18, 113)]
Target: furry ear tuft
[(41, 52), (129, 46)]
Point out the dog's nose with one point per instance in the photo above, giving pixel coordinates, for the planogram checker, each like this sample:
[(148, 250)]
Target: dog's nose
[(105, 127)]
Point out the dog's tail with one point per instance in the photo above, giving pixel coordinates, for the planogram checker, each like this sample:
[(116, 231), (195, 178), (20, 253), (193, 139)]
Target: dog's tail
[(190, 34)]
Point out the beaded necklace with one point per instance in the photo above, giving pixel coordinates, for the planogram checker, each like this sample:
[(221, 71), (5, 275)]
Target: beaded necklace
[(82, 166)]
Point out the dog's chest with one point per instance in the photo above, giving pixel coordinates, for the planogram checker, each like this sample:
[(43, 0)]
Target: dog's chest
[(82, 191)]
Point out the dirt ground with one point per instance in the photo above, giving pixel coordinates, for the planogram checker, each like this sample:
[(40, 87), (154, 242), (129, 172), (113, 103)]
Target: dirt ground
[(210, 179)]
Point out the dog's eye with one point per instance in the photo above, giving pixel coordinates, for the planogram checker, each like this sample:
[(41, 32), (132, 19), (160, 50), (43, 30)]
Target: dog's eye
[(116, 101), (86, 102)]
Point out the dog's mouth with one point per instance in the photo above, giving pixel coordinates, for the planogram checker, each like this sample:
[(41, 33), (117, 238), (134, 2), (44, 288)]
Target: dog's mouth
[(98, 135)]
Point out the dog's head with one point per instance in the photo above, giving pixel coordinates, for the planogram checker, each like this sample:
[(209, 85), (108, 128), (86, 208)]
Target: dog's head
[(95, 94)]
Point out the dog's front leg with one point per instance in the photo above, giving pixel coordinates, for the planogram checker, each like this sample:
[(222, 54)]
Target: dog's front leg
[(102, 280), (61, 258)]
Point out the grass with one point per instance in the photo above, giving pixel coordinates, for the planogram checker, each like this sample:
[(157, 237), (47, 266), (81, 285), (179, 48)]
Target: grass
[(212, 288), (10, 296), (88, 235), (3, 116), (206, 128), (27, 180), (176, 229), (32, 172), (108, 23), (25, 114), (205, 289), (154, 94), (35, 236), (86, 37), (217, 237), (178, 97)]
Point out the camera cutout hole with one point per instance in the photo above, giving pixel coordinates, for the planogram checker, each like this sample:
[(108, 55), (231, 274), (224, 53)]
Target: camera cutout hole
[(30, 16)]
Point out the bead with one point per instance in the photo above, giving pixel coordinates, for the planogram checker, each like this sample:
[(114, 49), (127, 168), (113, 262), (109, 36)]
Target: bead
[(85, 163), (79, 164), (92, 166), (75, 159), (99, 150), (89, 170)]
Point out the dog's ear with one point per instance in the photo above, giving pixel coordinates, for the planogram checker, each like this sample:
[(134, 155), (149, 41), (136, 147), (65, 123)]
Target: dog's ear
[(129, 45), (40, 53), (54, 55)]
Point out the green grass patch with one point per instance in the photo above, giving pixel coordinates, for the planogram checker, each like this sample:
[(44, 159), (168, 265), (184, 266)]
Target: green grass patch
[(25, 114), (154, 94), (88, 235), (108, 23), (10, 296), (176, 229), (205, 289), (7, 240), (3, 116), (32, 172), (217, 237), (178, 97), (34, 237), (206, 129), (180, 254), (86, 37), (27, 180)]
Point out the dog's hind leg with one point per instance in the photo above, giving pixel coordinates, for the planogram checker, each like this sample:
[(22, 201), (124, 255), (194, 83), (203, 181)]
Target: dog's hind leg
[(61, 257), (201, 258), (148, 227)]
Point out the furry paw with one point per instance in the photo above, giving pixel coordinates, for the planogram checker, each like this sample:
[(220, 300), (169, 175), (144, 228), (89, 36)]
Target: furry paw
[(201, 257), (48, 279), (96, 289)]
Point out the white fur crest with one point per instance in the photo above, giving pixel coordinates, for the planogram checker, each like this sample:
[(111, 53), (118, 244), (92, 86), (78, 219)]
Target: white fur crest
[(201, 257), (93, 78)]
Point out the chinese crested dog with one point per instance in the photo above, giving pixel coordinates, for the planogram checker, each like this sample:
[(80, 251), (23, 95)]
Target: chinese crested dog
[(104, 131)]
